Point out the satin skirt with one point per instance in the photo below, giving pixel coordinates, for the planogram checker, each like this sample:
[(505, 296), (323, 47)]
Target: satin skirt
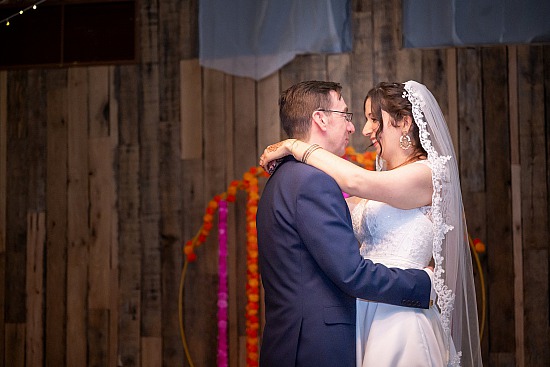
[(395, 336)]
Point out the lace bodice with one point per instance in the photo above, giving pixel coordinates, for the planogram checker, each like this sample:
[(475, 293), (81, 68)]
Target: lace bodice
[(394, 237)]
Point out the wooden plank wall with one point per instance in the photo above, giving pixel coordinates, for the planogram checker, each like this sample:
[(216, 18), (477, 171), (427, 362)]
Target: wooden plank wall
[(106, 170)]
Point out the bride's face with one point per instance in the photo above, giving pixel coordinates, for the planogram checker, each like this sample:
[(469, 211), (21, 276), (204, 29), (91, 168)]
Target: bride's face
[(388, 138)]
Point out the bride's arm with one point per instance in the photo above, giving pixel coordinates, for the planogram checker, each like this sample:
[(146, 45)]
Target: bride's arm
[(407, 187)]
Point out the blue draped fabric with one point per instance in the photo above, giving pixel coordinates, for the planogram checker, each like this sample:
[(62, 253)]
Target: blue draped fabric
[(440, 23), (254, 38)]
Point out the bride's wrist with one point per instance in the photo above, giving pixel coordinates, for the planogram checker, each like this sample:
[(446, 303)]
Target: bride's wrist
[(291, 146)]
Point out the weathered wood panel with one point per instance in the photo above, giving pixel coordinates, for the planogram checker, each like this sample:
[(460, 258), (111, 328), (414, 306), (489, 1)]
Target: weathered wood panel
[(471, 135), (534, 210), (269, 126), (56, 202), (150, 205), (34, 333), (15, 344), (498, 223), (519, 329), (16, 200), (77, 217), (130, 286), (191, 109), (3, 180), (102, 245), (361, 73)]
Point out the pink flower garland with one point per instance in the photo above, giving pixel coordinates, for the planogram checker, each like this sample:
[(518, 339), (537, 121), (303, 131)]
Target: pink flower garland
[(222, 286)]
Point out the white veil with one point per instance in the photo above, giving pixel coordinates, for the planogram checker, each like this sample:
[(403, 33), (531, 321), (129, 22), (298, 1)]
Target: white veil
[(454, 281)]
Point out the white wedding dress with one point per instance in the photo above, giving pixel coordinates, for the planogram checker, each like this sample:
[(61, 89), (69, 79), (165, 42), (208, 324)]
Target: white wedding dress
[(388, 335)]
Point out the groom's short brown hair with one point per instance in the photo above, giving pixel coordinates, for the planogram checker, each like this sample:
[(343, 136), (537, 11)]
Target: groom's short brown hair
[(297, 104)]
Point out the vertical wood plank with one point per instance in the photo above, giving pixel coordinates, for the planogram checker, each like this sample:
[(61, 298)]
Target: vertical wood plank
[(102, 289), (269, 125), (113, 230), (97, 102), (77, 216), (303, 67), (500, 268), (452, 92), (245, 156), (202, 284), (56, 201), (385, 41), (17, 197), (129, 257), (409, 61), (237, 94), (149, 11), (193, 206), (98, 339), (36, 239), (151, 352), (3, 171), (515, 171), (102, 218), (178, 20), (362, 66), (151, 316), (99, 152), (189, 29), (15, 345), (534, 195), (435, 67), (191, 109), (172, 213), (168, 32), (471, 136), (338, 70)]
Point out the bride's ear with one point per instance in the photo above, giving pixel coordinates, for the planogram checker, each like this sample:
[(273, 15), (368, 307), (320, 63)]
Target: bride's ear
[(407, 123)]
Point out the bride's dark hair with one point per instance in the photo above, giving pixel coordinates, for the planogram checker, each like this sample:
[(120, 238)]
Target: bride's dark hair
[(389, 97)]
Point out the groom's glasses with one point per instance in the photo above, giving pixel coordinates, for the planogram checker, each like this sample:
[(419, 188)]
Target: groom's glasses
[(348, 115)]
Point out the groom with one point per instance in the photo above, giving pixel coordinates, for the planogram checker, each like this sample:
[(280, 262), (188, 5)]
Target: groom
[(309, 258)]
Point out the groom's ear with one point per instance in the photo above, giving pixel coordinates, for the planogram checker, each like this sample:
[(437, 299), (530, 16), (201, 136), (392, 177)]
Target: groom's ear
[(320, 119)]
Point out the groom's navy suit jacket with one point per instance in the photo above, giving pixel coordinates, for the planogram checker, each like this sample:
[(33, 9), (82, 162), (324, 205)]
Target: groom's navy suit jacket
[(312, 272)]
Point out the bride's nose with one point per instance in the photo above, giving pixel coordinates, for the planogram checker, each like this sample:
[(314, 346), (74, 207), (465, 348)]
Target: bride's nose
[(367, 129)]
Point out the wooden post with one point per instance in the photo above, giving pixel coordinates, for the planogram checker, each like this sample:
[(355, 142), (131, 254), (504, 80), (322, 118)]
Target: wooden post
[(3, 163), (36, 239), (452, 95), (56, 203), (77, 217), (516, 205)]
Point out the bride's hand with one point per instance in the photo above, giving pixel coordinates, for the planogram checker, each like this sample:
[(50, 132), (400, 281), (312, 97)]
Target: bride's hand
[(274, 153)]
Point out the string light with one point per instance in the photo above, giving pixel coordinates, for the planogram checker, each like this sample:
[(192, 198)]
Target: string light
[(20, 12)]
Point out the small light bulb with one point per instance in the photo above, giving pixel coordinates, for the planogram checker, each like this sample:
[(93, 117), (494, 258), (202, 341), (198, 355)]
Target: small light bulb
[(8, 23), (34, 7), (20, 11)]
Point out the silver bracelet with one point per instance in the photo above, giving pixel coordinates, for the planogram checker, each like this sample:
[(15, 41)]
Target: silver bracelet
[(308, 152)]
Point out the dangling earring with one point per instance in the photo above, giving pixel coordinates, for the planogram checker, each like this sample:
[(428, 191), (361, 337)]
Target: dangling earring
[(405, 141)]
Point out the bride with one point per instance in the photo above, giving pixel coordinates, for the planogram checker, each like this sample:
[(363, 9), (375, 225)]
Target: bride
[(406, 215)]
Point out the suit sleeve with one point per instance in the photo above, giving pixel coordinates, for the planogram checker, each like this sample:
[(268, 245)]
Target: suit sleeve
[(324, 224)]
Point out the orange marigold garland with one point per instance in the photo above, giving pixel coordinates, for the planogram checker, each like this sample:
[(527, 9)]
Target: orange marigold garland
[(249, 183), (366, 159), (252, 271)]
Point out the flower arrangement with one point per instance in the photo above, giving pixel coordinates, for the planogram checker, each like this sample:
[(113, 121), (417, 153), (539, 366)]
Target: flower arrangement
[(249, 183)]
